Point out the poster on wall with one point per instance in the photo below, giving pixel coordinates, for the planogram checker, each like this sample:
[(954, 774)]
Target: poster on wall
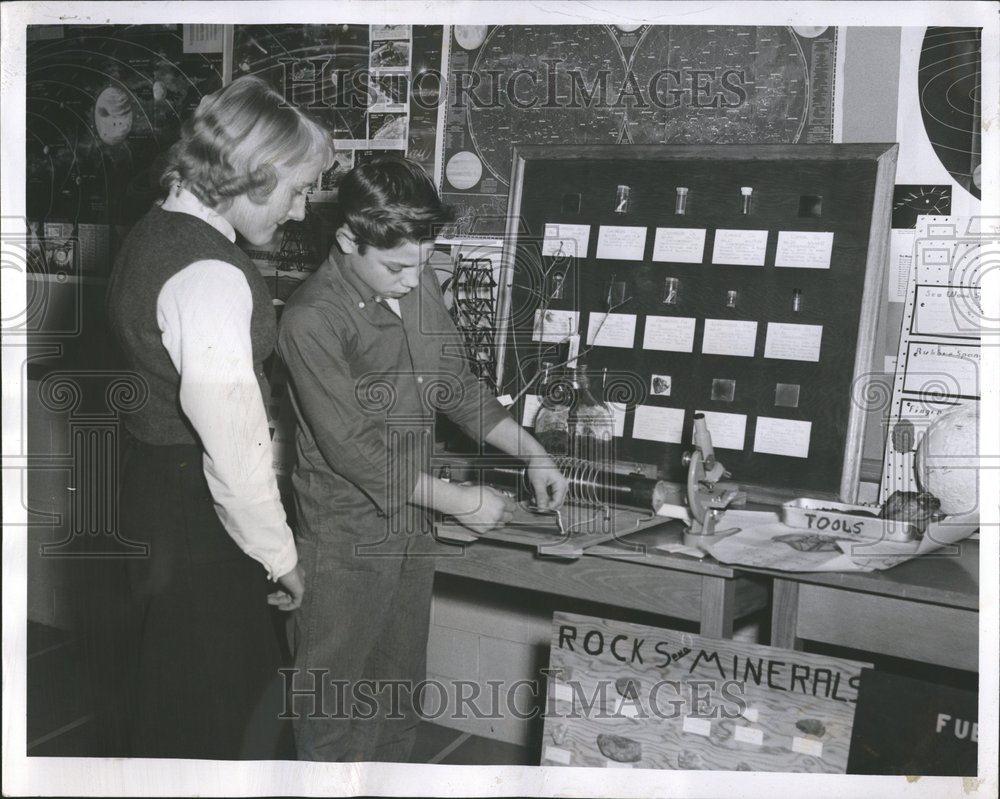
[(631, 696), (601, 84), (104, 102)]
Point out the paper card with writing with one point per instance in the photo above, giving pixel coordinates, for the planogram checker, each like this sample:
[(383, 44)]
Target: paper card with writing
[(729, 337), (622, 243), (532, 402), (658, 424), (788, 342), (782, 437), (664, 673), (611, 330), (728, 430), (739, 247), (942, 370), (804, 249), (555, 326), (948, 311), (566, 240), (679, 245), (669, 333)]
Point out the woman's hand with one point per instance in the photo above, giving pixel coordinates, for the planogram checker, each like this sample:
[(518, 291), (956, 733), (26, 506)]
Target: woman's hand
[(293, 585)]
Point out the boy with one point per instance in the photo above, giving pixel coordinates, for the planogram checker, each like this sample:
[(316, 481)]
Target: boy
[(372, 354)]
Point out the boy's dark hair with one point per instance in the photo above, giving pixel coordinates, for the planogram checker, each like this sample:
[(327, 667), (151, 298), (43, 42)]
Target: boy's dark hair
[(388, 201)]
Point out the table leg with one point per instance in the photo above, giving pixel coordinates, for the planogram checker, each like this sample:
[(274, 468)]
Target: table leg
[(718, 603), (784, 613)]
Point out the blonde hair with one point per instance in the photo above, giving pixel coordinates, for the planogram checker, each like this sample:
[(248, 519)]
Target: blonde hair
[(236, 139)]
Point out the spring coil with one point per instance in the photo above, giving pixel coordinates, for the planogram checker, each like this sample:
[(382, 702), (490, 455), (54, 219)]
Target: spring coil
[(584, 479)]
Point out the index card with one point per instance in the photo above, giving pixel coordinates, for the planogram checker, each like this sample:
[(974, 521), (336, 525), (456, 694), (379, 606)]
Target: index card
[(621, 243), (729, 337), (669, 333), (782, 437), (532, 402), (566, 240), (728, 430), (555, 326), (557, 755), (611, 330), (680, 245), (793, 342), (949, 369), (652, 423), (739, 247), (804, 249)]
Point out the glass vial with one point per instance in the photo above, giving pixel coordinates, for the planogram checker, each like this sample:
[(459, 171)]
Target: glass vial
[(747, 192), (680, 204), (796, 300), (671, 291), (732, 298), (622, 199)]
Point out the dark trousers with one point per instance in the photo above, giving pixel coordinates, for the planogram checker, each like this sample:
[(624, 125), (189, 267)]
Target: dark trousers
[(363, 618), (202, 647)]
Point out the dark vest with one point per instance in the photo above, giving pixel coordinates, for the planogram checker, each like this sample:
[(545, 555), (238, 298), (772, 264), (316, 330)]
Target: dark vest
[(158, 247)]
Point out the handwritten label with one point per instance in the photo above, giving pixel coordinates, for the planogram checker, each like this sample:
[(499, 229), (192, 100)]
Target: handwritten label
[(804, 249), (739, 247), (669, 333), (947, 311), (611, 330), (942, 369), (679, 245), (788, 437), (729, 337), (566, 240), (658, 424), (621, 243), (728, 430), (793, 342), (555, 326)]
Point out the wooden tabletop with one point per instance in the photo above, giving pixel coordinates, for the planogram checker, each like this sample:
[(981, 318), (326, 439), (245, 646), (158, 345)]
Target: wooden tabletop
[(943, 579)]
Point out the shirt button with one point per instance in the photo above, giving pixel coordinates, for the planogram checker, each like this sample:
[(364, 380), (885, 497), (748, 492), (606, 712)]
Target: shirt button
[(420, 379), (361, 305)]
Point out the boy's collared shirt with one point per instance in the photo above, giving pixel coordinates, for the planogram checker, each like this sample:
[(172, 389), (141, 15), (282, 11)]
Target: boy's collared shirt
[(366, 382)]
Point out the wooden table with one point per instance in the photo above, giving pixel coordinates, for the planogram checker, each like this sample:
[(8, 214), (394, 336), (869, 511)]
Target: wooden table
[(630, 575), (926, 609)]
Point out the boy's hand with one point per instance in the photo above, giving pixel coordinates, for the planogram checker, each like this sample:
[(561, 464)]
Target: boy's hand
[(547, 482), (492, 510), (294, 588)]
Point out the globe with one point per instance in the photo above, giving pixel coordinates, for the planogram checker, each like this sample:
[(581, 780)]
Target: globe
[(947, 460)]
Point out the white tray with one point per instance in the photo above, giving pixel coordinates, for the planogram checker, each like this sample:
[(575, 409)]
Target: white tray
[(834, 519)]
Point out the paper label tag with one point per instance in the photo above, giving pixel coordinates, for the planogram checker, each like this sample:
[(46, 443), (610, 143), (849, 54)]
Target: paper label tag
[(616, 764), (697, 726), (749, 735), (807, 746), (506, 400), (557, 755)]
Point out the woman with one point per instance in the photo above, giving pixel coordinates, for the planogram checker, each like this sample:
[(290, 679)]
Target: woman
[(196, 321)]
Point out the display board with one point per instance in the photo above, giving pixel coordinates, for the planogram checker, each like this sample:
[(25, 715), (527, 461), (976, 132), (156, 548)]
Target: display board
[(632, 696), (938, 364), (757, 305), (622, 84)]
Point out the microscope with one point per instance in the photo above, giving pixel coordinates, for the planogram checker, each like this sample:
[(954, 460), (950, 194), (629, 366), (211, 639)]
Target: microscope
[(707, 497)]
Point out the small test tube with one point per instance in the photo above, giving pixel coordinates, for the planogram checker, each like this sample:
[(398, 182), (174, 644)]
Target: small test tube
[(622, 197), (747, 192), (797, 300), (680, 204), (732, 297)]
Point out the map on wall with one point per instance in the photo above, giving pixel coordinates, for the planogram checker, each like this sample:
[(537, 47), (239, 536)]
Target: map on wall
[(596, 84)]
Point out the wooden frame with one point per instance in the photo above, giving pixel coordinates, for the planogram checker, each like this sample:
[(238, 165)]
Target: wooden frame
[(881, 157)]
